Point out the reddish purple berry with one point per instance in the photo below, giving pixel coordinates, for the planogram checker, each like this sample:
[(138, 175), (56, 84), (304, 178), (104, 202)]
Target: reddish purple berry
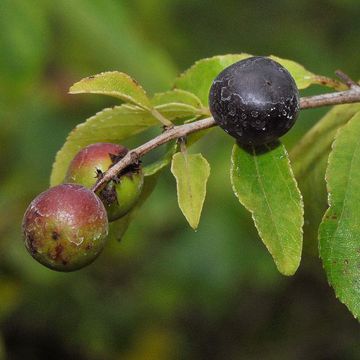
[(65, 227)]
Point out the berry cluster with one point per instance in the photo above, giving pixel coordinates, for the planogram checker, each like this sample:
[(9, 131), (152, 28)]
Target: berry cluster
[(66, 227)]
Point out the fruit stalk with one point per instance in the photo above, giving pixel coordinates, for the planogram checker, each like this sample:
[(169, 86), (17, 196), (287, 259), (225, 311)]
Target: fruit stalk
[(341, 97)]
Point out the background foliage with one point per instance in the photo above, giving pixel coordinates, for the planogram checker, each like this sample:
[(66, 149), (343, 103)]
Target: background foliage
[(164, 292)]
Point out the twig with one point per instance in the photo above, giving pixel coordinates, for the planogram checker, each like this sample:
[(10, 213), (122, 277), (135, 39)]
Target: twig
[(346, 79), (341, 97), (171, 134)]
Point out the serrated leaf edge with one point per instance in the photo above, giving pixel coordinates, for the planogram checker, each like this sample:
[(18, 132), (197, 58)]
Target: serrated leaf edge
[(113, 93), (282, 271), (329, 201)]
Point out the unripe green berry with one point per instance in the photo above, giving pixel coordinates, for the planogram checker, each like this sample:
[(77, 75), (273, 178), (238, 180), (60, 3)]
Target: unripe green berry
[(65, 227), (118, 196), (254, 100)]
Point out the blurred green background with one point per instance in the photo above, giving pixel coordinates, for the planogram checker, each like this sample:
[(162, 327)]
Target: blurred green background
[(164, 292)]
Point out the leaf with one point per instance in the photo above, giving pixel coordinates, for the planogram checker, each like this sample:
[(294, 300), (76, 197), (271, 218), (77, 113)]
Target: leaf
[(264, 183), (317, 141), (339, 232), (302, 77), (309, 161), (179, 104), (177, 96), (116, 84), (110, 125), (198, 78), (191, 172), (174, 111)]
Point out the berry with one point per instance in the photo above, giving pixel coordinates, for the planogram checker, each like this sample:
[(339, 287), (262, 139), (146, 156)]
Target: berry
[(120, 195), (65, 227), (254, 100)]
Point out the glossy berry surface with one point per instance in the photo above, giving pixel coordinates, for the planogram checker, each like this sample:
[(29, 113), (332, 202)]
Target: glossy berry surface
[(118, 197), (254, 100), (65, 227)]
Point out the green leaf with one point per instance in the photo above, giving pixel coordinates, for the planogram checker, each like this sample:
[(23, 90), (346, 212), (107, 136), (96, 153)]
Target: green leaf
[(317, 141), (198, 78), (191, 172), (110, 125), (309, 161), (305, 78), (179, 104), (177, 96), (173, 111), (302, 77), (116, 84), (339, 232), (264, 183)]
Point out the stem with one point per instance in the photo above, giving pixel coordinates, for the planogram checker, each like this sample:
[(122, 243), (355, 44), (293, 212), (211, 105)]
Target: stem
[(336, 98), (341, 97), (171, 134)]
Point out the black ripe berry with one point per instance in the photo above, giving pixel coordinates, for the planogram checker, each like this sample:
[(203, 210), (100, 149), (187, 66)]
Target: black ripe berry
[(254, 100)]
